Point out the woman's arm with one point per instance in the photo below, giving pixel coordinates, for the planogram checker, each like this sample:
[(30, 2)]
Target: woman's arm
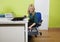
[(30, 27)]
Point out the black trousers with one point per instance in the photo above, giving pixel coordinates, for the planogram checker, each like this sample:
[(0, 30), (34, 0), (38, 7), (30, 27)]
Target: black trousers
[(29, 36)]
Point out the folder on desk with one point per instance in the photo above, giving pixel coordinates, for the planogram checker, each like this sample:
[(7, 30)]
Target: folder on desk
[(2, 16)]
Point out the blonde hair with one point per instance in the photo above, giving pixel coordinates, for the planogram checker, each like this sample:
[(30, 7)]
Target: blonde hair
[(31, 5)]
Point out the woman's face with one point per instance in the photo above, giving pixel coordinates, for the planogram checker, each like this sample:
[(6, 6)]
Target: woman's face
[(31, 9)]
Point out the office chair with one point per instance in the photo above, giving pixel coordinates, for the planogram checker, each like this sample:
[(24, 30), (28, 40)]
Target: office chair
[(35, 30)]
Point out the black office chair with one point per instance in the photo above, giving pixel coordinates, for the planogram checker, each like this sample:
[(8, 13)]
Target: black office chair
[(35, 30)]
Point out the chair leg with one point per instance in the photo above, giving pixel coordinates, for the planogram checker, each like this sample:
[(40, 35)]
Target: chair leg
[(40, 33), (35, 35)]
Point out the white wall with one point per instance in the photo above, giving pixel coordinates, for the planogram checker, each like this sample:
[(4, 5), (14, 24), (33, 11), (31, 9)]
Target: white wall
[(43, 7)]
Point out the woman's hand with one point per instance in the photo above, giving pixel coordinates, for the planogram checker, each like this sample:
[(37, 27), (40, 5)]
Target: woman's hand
[(30, 27)]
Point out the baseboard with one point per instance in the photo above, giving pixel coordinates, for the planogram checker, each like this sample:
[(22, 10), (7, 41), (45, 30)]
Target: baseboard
[(54, 28)]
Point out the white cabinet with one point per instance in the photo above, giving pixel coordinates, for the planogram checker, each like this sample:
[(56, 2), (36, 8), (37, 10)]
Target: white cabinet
[(12, 34), (13, 31)]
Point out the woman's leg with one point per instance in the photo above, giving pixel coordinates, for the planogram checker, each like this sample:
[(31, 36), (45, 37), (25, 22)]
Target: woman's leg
[(29, 38)]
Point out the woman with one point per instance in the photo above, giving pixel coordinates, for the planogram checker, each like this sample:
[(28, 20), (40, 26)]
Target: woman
[(33, 21)]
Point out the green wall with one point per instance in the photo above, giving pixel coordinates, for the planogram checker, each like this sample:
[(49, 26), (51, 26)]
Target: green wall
[(54, 16), (17, 7)]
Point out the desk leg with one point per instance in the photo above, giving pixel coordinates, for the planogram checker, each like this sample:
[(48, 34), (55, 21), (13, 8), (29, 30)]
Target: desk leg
[(26, 26)]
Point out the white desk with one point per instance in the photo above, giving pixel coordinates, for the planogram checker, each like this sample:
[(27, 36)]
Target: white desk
[(13, 31)]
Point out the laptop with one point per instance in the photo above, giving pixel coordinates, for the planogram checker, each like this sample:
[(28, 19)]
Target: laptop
[(18, 18)]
